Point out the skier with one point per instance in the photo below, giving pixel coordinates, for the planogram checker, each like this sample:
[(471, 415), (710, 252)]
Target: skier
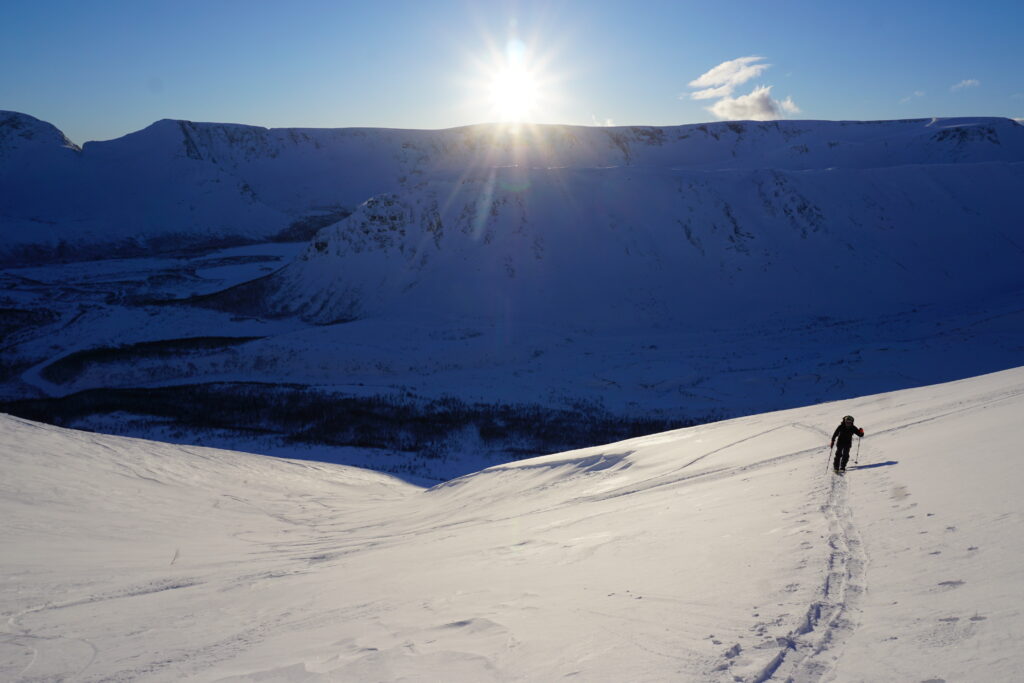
[(844, 434)]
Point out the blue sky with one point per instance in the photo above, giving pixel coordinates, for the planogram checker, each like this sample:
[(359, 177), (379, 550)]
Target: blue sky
[(100, 69)]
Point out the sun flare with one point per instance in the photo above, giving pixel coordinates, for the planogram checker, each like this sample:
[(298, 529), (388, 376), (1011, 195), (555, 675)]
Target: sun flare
[(514, 94), (513, 85)]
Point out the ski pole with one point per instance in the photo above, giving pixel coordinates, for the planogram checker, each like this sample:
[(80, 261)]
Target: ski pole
[(828, 464), (857, 459)]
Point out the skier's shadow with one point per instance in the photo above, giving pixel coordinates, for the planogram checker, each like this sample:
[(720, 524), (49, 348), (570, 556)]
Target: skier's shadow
[(887, 463)]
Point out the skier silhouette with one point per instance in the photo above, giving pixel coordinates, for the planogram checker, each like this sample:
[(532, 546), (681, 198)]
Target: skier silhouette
[(844, 435)]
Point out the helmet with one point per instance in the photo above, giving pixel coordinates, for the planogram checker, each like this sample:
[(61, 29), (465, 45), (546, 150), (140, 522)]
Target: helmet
[(848, 418)]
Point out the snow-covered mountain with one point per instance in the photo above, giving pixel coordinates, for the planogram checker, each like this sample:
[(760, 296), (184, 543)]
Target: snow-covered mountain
[(646, 246), (724, 552), (179, 183)]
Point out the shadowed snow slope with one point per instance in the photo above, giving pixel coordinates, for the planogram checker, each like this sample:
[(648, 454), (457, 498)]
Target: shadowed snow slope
[(722, 552), (628, 246), (179, 183)]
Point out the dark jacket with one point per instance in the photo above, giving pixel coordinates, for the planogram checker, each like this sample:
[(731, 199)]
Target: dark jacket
[(844, 433)]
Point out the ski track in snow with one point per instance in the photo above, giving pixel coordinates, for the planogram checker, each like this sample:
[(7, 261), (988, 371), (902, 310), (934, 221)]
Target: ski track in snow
[(810, 651)]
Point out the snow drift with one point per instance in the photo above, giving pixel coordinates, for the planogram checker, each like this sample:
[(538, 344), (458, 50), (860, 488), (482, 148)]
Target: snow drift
[(722, 552)]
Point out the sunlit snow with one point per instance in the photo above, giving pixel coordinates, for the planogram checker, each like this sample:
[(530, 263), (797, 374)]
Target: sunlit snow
[(724, 552)]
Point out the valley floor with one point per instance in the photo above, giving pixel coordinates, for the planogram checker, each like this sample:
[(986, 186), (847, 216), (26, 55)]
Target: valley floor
[(724, 552), (118, 346)]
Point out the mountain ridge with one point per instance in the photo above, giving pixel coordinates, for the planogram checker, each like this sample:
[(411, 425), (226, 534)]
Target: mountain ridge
[(959, 130), (193, 184)]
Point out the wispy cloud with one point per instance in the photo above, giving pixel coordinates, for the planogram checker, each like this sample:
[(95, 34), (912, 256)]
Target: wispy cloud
[(720, 82), (913, 96), (967, 83), (724, 78)]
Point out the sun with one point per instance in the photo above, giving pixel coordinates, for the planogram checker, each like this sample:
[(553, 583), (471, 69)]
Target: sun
[(514, 93), (513, 84)]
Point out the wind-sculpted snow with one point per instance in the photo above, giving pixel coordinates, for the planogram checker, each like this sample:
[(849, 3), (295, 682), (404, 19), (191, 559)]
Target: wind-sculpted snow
[(178, 184), (724, 552)]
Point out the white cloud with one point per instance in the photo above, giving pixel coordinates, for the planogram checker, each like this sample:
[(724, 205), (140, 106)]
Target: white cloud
[(720, 82), (789, 106), (606, 123), (756, 106), (967, 83), (712, 93), (914, 95), (723, 79)]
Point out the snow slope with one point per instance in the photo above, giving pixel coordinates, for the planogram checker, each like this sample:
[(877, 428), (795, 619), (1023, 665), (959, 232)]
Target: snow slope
[(627, 247), (722, 552)]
